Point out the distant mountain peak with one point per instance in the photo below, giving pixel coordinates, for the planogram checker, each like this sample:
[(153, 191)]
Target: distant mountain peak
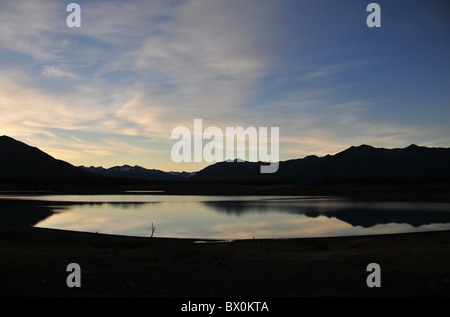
[(357, 150), (415, 147), (311, 157), (5, 138), (19, 160), (363, 147), (137, 172)]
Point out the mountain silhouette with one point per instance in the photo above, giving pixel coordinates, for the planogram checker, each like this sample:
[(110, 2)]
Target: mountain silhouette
[(21, 161), (361, 162), (137, 172)]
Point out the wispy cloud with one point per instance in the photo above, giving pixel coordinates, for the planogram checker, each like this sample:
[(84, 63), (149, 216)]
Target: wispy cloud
[(330, 70), (55, 72), (29, 27)]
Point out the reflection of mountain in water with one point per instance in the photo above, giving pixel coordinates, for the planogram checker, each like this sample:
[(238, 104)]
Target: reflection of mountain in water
[(23, 212), (238, 207), (356, 216), (115, 204), (31, 212)]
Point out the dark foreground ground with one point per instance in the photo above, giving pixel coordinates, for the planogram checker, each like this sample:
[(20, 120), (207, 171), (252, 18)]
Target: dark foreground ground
[(33, 262)]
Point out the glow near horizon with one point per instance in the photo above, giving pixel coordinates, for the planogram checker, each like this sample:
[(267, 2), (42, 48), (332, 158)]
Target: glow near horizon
[(110, 93)]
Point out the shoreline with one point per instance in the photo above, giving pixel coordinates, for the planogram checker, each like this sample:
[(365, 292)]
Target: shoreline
[(33, 263)]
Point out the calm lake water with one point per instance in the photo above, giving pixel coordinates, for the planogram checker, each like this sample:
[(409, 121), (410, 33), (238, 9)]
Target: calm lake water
[(234, 217)]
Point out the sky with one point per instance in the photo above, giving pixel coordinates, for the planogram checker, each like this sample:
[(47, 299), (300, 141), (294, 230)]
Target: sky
[(111, 91)]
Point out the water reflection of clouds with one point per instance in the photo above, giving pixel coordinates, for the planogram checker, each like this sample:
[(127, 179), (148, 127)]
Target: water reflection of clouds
[(118, 218), (284, 228), (297, 227)]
